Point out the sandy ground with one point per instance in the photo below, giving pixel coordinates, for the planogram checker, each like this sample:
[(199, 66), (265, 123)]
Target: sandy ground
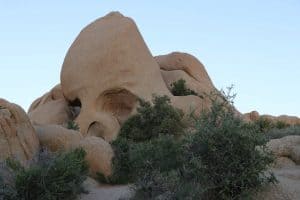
[(105, 192), (288, 188)]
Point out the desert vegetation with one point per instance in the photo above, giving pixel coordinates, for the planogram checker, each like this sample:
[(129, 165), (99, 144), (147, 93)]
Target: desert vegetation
[(72, 125), (219, 159), (275, 130), (179, 88), (53, 177)]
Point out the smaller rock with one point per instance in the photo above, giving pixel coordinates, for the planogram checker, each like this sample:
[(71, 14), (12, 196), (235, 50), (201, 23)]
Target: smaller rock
[(56, 138), (288, 146), (18, 139), (52, 112), (99, 153), (54, 94)]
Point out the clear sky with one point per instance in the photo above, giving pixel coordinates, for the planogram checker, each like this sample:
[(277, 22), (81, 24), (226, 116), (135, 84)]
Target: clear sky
[(253, 44)]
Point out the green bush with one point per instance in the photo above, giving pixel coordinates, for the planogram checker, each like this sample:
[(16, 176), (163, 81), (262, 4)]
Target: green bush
[(146, 140), (134, 160), (178, 88), (72, 125), (264, 125), (223, 152), (219, 160), (59, 178), (7, 191), (153, 120), (279, 133)]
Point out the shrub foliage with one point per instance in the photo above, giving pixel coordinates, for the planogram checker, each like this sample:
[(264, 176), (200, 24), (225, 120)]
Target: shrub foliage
[(219, 160), (153, 120), (72, 125), (276, 133), (223, 152), (58, 178), (178, 88), (146, 140)]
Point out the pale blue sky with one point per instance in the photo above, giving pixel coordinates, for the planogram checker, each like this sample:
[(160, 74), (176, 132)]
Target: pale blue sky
[(253, 44)]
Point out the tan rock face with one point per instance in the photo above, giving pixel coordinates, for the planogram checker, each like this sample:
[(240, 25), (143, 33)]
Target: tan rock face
[(99, 152), (176, 66), (18, 138), (288, 147), (292, 120), (286, 169), (109, 66), (51, 108), (254, 115), (54, 94), (52, 112), (56, 138), (190, 65)]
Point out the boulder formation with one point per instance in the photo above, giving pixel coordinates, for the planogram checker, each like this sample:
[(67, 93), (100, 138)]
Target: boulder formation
[(286, 169), (109, 66), (99, 153), (51, 108), (285, 149), (18, 139), (254, 115)]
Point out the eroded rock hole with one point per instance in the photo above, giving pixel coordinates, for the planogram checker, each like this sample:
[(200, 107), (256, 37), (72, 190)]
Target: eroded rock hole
[(119, 102), (75, 108)]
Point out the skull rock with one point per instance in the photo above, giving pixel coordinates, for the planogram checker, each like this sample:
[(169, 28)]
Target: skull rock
[(107, 68)]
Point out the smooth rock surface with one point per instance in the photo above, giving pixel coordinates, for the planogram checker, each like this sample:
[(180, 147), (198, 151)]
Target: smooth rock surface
[(18, 139), (99, 153)]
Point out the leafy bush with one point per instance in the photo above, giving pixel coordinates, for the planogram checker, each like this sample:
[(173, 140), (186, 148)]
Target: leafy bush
[(264, 124), (219, 160), (179, 89), (153, 120), (59, 178), (72, 125), (281, 125), (224, 153), (146, 140), (7, 191), (279, 133)]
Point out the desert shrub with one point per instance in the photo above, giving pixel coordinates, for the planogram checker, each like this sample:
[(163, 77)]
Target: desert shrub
[(281, 125), (279, 133), (7, 191), (225, 153), (134, 160), (153, 120), (224, 158), (178, 88), (264, 125), (72, 125), (147, 141), (59, 178)]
